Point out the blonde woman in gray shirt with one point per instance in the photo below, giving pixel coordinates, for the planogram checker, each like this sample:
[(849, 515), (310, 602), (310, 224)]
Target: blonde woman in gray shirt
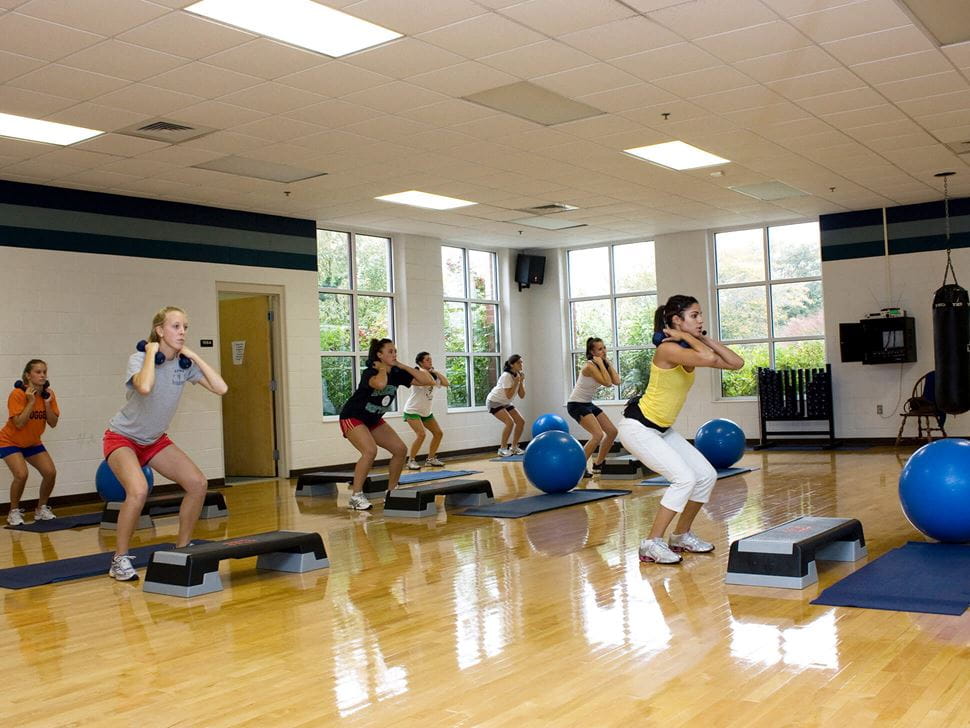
[(136, 435)]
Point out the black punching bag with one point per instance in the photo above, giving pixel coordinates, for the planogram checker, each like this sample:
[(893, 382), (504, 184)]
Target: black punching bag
[(951, 339)]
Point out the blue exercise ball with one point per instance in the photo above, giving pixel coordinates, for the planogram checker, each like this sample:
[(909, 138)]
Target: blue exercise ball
[(934, 490), (108, 486), (549, 422), (554, 461), (721, 442)]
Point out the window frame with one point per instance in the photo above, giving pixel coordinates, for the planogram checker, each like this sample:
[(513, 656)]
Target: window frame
[(359, 356), (467, 303), (613, 297), (767, 282)]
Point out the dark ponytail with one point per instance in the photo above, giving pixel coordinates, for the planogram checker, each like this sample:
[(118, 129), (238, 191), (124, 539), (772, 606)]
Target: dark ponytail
[(510, 361), (590, 342), (375, 347), (675, 306), (421, 355)]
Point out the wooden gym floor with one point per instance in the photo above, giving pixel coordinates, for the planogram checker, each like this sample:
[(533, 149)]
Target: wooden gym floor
[(548, 620)]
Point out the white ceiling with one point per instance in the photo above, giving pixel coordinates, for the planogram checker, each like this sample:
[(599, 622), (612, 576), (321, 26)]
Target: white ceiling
[(848, 100)]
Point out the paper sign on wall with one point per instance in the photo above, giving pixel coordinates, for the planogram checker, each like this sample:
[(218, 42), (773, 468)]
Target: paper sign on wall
[(238, 351)]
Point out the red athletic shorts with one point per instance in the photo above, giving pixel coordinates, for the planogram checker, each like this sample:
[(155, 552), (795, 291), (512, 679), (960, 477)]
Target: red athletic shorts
[(349, 423), (112, 441)]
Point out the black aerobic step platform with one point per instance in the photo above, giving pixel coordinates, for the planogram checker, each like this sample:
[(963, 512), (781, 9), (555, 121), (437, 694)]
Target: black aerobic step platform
[(325, 483), (784, 556), (214, 506), (418, 501), (622, 467), (194, 570)]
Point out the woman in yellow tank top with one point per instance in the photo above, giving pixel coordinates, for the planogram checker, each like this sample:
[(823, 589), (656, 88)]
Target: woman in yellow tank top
[(646, 433)]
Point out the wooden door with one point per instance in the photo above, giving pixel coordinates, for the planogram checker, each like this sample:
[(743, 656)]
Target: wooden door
[(247, 366)]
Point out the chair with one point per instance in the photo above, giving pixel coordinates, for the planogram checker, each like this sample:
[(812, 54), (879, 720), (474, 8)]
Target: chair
[(922, 406)]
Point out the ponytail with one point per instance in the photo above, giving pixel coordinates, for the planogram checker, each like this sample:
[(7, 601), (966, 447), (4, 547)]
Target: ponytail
[(590, 342), (675, 306), (510, 361), (375, 348)]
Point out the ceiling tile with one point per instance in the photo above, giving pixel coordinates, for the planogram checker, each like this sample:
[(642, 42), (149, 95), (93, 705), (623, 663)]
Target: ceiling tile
[(817, 84), (148, 100), (753, 42), (404, 57), (586, 80), (621, 38), (13, 65), (40, 39), (31, 103), (272, 98), (394, 97), (706, 81), (914, 88), (747, 97), (879, 45), (851, 20), (333, 113), (68, 82), (203, 79), (942, 103), (186, 35), (218, 115), (709, 17), (859, 98), (96, 116), (463, 80), (799, 62), (555, 19), (123, 60), (334, 79), (628, 97), (278, 128), (120, 145), (901, 67), (538, 59), (267, 59), (481, 36), (413, 18), (654, 64), (104, 17)]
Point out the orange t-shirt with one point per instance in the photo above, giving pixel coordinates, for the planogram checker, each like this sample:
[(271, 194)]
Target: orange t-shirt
[(30, 433)]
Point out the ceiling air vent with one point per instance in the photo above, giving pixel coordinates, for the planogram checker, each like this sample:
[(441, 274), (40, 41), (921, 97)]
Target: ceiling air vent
[(959, 147), (549, 209), (166, 130)]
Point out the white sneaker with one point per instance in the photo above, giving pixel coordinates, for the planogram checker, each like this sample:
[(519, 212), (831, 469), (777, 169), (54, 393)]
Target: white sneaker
[(121, 568), (359, 502), (44, 513), (504, 452), (518, 450), (689, 542), (655, 550), (433, 462), (413, 464), (15, 517)]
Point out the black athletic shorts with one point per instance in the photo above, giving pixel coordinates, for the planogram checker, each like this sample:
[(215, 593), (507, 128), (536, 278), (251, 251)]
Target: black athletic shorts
[(578, 410)]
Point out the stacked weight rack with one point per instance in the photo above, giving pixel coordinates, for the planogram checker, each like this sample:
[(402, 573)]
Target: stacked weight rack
[(794, 396)]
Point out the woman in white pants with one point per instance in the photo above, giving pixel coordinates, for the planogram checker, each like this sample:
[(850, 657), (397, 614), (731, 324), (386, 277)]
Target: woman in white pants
[(645, 430)]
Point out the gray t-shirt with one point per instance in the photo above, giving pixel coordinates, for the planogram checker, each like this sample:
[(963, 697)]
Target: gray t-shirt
[(145, 417)]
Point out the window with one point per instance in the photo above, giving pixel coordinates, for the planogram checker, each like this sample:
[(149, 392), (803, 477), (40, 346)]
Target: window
[(356, 303), (769, 301), (613, 296), (471, 325)]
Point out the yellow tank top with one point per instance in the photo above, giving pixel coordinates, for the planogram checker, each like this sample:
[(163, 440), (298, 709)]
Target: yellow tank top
[(665, 394)]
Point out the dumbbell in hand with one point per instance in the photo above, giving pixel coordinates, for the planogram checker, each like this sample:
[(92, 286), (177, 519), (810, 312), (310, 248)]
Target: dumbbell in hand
[(184, 361)]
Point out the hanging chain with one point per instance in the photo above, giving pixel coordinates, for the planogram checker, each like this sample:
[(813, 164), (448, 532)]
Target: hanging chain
[(946, 214)]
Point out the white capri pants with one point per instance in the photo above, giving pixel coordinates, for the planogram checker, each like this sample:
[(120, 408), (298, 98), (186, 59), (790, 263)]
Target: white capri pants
[(690, 474)]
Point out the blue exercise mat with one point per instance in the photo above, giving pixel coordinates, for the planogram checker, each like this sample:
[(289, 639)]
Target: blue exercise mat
[(60, 524), (434, 475), (79, 567), (918, 577), (722, 473), (508, 459), (538, 503)]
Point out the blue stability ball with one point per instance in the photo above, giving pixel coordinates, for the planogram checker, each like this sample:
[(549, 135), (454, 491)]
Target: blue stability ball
[(721, 442), (934, 490), (554, 461), (108, 486), (547, 422)]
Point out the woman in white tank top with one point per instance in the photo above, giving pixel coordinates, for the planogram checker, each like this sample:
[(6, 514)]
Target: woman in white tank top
[(417, 413), (596, 373)]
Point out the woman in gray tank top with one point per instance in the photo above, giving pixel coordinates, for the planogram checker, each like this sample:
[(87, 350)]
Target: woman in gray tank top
[(596, 373)]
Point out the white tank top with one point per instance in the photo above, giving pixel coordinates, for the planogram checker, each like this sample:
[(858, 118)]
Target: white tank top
[(585, 389)]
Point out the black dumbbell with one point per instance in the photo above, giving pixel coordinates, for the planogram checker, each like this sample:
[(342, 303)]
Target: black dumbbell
[(184, 361), (19, 384)]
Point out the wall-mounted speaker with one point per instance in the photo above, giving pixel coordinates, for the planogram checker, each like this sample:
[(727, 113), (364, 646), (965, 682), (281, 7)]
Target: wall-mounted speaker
[(529, 269)]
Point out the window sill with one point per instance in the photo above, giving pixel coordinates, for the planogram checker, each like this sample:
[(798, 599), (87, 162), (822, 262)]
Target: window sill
[(463, 410)]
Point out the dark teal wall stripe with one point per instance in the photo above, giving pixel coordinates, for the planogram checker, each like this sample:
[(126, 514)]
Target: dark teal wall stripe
[(19, 193), (911, 229), (146, 248)]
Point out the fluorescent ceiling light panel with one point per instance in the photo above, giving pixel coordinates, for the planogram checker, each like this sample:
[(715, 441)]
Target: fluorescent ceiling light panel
[(769, 191), (677, 155), (260, 169), (549, 222), (299, 22), (528, 101), (414, 198), (49, 132)]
